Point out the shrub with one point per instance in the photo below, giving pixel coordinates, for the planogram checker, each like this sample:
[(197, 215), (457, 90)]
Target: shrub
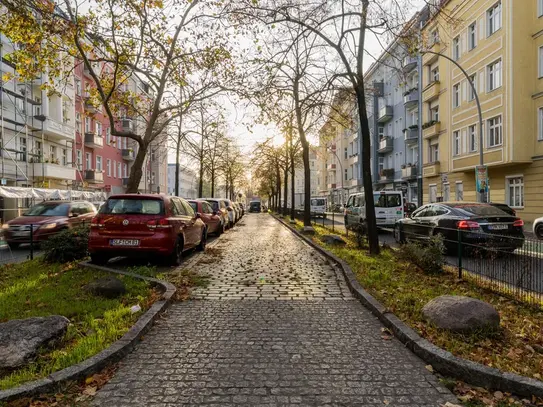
[(428, 255), (66, 246), (360, 231)]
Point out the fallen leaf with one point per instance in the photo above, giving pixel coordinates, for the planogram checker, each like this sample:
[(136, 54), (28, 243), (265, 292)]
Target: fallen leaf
[(449, 404), (90, 391), (429, 368), (498, 395)]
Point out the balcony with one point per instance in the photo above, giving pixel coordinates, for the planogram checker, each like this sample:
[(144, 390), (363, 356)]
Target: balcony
[(431, 129), (386, 145), (386, 175), (127, 125), (430, 57), (411, 98), (94, 177), (48, 170), (89, 106), (409, 63), (431, 169), (411, 135), (409, 172), (431, 91), (56, 129), (128, 154), (385, 114), (331, 167), (92, 140)]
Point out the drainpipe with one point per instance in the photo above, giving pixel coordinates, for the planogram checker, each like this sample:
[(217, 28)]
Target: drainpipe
[(420, 185)]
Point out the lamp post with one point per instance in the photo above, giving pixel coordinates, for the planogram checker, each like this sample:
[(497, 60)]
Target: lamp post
[(481, 194)]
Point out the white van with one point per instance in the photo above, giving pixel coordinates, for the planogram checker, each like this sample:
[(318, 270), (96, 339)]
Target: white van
[(389, 207), (318, 206)]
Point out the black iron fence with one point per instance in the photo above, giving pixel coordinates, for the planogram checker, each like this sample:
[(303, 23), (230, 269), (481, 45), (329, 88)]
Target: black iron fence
[(20, 246), (504, 261)]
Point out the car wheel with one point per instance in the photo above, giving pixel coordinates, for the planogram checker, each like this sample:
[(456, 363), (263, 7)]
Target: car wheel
[(203, 241), (539, 231), (220, 229), (13, 246), (99, 258), (398, 234), (175, 257)]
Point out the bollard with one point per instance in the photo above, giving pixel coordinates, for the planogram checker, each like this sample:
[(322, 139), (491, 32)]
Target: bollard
[(31, 242), (459, 254)]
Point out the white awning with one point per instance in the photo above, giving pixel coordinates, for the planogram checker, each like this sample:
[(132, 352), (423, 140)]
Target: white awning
[(44, 193)]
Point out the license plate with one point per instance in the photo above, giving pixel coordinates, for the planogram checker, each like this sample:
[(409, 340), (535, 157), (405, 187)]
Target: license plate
[(21, 234), (381, 220), (124, 242), (498, 227)]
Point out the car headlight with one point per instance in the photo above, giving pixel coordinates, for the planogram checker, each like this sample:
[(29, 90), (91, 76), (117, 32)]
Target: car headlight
[(5, 226), (49, 226)]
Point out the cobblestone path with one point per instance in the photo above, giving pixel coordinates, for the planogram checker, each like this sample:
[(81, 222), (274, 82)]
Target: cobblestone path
[(276, 327)]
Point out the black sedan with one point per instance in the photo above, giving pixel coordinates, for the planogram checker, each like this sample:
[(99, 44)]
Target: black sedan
[(480, 225)]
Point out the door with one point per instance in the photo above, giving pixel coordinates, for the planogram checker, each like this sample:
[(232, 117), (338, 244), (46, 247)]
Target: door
[(194, 229), (214, 218), (424, 223), (182, 223), (411, 226), (388, 207)]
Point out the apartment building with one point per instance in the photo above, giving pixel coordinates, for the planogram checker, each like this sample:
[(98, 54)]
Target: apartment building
[(338, 152), (37, 130), (188, 182), (393, 114), (299, 180), (500, 45)]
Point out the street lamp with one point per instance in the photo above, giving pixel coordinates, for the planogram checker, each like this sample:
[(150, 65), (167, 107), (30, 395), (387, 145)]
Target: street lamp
[(481, 193)]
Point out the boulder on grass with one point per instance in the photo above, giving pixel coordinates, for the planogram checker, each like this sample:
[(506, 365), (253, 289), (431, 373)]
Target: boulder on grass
[(461, 314), (108, 287), (20, 339), (333, 240)]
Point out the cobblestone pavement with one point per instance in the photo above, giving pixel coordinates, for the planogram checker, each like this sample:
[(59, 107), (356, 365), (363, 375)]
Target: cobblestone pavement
[(270, 352)]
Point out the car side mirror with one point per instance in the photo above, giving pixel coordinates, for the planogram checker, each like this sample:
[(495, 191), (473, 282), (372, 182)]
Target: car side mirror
[(74, 215), (198, 215)]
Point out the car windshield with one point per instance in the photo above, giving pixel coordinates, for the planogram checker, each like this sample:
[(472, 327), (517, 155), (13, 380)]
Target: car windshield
[(480, 210), (194, 206), (387, 200), (255, 203), (133, 206), (214, 204), (59, 209), (318, 202)]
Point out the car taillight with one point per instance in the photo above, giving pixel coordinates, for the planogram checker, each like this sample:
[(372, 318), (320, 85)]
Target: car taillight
[(159, 223), (97, 222), (518, 223), (467, 225)]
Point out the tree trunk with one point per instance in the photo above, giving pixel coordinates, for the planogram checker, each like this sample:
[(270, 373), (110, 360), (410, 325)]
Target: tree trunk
[(201, 180), (285, 189), (373, 236), (212, 182), (278, 187), (136, 172), (292, 189), (177, 166)]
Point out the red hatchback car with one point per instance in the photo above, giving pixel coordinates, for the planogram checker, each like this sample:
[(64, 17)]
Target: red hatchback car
[(211, 218), (136, 225)]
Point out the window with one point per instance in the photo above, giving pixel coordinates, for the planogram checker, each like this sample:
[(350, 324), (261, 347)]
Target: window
[(539, 8), (88, 161), (78, 87), (446, 192), (459, 191), (52, 152), (435, 36), (108, 136), (472, 139), (434, 74), (381, 164), (346, 174), (98, 163), (38, 150), (434, 153), (432, 193), (125, 172), (21, 154), (345, 153), (472, 36), (119, 173), (494, 75), (456, 48), (494, 18), (64, 157), (471, 92), (79, 159), (99, 129), (381, 131), (434, 113), (153, 177), (540, 59), (108, 167), (456, 95), (78, 122), (495, 131), (515, 192), (456, 143), (540, 124), (88, 125), (115, 169)]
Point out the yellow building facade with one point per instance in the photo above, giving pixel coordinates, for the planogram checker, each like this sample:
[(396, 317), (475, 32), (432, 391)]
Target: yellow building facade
[(499, 43)]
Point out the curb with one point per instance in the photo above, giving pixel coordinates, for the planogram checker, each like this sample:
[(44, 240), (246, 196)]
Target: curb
[(118, 350), (441, 360)]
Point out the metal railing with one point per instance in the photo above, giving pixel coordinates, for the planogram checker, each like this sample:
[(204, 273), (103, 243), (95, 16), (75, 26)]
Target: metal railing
[(505, 262), (16, 251)]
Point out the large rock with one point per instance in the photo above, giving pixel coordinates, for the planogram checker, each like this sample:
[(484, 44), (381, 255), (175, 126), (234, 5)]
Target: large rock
[(461, 314), (21, 338), (108, 287), (333, 240)]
